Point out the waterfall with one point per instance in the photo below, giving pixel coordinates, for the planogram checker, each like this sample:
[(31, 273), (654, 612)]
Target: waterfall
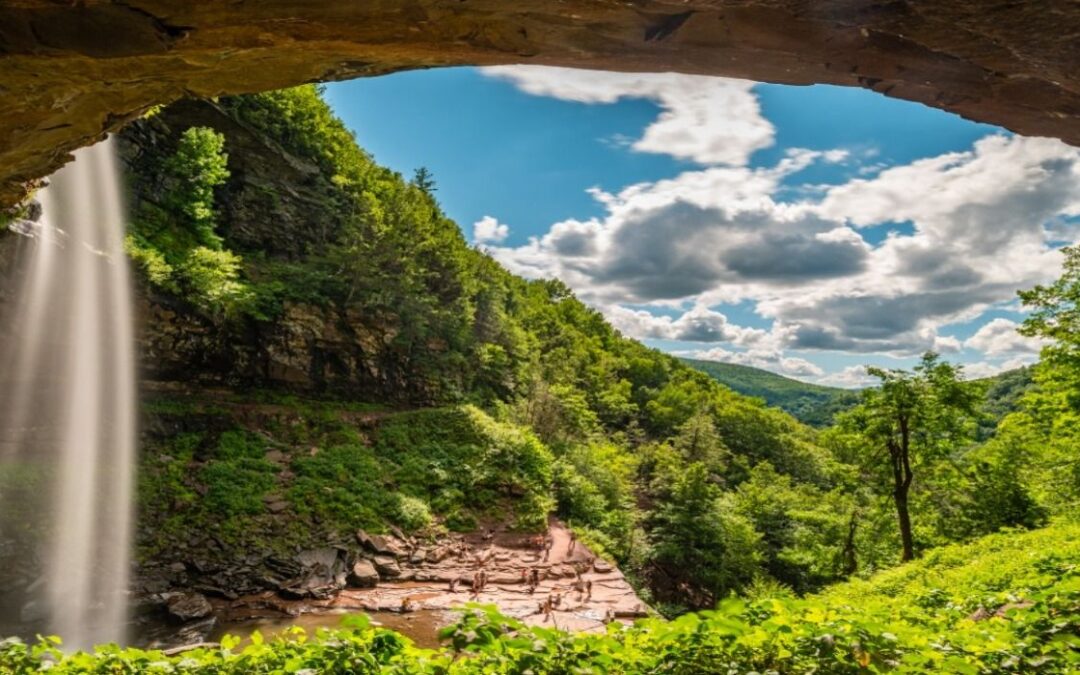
[(68, 406)]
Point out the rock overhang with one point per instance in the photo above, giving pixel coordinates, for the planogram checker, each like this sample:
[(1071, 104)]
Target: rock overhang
[(71, 72)]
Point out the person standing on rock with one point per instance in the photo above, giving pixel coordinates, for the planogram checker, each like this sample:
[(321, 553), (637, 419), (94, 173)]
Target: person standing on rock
[(588, 589), (573, 543)]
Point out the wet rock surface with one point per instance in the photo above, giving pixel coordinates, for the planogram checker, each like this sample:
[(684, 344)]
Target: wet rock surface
[(564, 586), (71, 71), (189, 606)]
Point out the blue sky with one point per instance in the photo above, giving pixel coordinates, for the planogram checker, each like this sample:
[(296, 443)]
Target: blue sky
[(807, 230)]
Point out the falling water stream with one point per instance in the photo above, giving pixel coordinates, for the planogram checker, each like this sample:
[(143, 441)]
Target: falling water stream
[(67, 406)]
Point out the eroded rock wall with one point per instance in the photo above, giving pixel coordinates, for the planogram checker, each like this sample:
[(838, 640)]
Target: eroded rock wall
[(71, 71)]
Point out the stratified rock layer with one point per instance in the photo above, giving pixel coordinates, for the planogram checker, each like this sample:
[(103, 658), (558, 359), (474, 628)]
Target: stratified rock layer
[(71, 71)]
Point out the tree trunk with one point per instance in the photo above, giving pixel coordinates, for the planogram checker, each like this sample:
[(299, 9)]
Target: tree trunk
[(899, 452), (850, 562), (906, 540)]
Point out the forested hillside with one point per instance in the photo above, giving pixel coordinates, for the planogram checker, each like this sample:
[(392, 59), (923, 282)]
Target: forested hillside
[(324, 353), (277, 255), (811, 404)]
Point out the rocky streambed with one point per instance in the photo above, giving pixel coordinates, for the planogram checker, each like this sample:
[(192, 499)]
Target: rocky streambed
[(411, 586)]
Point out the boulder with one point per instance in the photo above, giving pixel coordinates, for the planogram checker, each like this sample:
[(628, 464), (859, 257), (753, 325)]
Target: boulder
[(323, 572), (387, 565), (363, 574), (387, 545), (438, 554), (189, 606)]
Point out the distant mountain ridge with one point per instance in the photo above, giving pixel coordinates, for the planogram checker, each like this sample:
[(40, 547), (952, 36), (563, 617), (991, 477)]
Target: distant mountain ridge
[(812, 404), (816, 404)]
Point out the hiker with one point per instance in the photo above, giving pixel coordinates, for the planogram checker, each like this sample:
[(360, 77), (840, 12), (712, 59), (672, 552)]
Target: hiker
[(534, 575), (547, 549), (588, 589), (573, 543), (483, 579)]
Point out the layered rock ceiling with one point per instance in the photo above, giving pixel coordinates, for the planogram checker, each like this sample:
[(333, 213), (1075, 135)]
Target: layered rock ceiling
[(71, 70)]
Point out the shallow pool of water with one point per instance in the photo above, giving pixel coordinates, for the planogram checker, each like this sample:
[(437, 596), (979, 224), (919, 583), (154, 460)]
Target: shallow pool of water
[(421, 626)]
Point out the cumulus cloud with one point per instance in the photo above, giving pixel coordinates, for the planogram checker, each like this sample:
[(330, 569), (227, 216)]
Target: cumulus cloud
[(981, 226), (694, 234), (699, 324), (710, 120), (851, 377), (977, 225), (489, 230), (771, 360), (981, 369), (999, 337)]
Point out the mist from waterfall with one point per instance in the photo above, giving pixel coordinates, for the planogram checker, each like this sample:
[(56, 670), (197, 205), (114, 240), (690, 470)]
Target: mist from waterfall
[(68, 406)]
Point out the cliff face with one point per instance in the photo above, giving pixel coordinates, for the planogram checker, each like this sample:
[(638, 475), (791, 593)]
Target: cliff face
[(71, 71), (279, 207)]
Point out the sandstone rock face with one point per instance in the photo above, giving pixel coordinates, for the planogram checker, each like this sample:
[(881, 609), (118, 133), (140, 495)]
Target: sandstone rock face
[(72, 71)]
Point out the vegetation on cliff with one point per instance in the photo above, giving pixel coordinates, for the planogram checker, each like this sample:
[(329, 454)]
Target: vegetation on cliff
[(260, 222)]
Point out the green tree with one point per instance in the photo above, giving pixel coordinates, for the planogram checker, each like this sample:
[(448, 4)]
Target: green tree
[(425, 180), (698, 536), (196, 169), (912, 417)]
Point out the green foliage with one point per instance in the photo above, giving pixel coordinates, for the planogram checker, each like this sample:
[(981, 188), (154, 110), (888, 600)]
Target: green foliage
[(175, 243), (198, 166), (699, 534), (1005, 604), (911, 421), (1004, 393), (570, 415)]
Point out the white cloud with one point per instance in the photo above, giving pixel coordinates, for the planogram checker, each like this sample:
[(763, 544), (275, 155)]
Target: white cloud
[(981, 369), (719, 235), (770, 360), (979, 225), (999, 337), (699, 324), (489, 230), (851, 377), (710, 120)]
